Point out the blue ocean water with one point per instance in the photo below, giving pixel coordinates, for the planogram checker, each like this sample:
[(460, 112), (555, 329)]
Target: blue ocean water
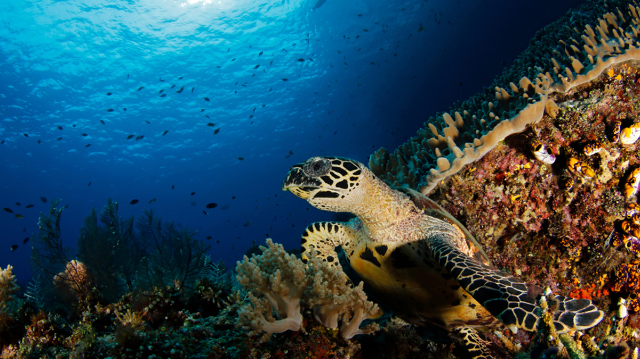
[(285, 80)]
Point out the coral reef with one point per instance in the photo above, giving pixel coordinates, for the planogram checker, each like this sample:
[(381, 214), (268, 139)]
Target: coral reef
[(570, 52), (283, 281)]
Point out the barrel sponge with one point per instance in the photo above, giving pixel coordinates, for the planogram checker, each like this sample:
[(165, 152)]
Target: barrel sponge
[(569, 52)]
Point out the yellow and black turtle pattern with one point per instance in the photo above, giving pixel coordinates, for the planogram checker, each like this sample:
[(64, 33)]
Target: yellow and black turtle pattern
[(443, 277)]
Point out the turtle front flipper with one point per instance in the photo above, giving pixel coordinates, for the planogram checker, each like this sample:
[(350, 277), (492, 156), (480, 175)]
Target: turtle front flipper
[(506, 297), (323, 238)]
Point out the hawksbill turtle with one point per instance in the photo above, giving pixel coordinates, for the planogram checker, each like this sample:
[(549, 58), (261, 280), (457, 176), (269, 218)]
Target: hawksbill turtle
[(416, 258)]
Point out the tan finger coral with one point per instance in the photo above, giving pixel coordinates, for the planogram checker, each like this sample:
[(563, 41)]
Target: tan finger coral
[(562, 56), (280, 283)]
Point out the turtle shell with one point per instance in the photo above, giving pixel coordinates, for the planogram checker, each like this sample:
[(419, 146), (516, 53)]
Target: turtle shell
[(404, 277)]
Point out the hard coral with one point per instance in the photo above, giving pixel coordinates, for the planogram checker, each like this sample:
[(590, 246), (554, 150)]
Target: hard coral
[(278, 282)]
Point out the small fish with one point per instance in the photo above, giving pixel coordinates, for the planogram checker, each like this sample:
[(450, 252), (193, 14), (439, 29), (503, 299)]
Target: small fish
[(67, 206), (140, 88), (217, 241), (211, 124), (24, 241), (110, 110), (173, 186), (8, 210), (124, 108), (160, 78), (233, 197), (212, 205), (206, 98), (209, 238), (130, 137), (301, 60), (43, 199), (59, 127), (84, 135), (25, 135), (172, 86), (192, 193), (28, 206), (152, 200), (108, 93), (139, 137), (127, 76), (102, 122), (260, 53), (202, 110), (134, 201), (147, 121), (290, 152), (285, 79), (161, 91), (240, 158), (180, 78), (233, 59), (59, 138), (205, 213), (420, 28), (165, 132), (163, 95), (192, 89), (14, 247), (39, 141), (19, 216), (207, 116), (216, 131), (2, 142), (180, 91), (87, 145), (255, 67), (310, 59)]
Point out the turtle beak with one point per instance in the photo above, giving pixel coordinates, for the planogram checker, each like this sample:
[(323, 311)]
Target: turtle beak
[(298, 183)]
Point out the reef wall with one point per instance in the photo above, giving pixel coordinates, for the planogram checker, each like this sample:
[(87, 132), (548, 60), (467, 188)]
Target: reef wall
[(572, 51)]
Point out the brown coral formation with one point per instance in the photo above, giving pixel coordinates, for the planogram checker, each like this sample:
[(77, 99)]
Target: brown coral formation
[(563, 56), (279, 282)]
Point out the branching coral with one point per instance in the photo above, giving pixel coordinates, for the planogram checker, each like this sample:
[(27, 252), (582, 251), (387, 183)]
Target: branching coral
[(8, 289), (278, 282)]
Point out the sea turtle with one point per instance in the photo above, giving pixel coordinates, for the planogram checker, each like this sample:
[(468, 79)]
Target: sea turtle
[(416, 258)]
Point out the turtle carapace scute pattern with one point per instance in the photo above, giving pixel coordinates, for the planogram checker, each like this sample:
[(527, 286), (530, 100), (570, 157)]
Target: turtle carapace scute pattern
[(417, 259)]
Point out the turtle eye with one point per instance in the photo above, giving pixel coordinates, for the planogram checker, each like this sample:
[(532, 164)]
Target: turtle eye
[(316, 167)]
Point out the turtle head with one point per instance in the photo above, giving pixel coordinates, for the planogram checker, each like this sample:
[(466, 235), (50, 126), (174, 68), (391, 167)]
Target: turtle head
[(328, 183)]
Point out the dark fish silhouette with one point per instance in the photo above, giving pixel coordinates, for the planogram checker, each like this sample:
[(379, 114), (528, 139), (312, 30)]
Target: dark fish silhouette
[(180, 91), (110, 110), (301, 60), (102, 122), (2, 142), (147, 121), (19, 216), (127, 76), (84, 135), (25, 135), (43, 199), (173, 186), (212, 205), (18, 204), (285, 79), (139, 137), (108, 93), (59, 127), (160, 78), (202, 110), (180, 78), (28, 206), (260, 54), (192, 193), (205, 213), (209, 237), (193, 88), (163, 95), (140, 88), (216, 131), (87, 145), (211, 124), (161, 91), (134, 201), (8, 210), (89, 184), (24, 241), (206, 99), (172, 86), (240, 158), (256, 67), (59, 138), (39, 141), (152, 200), (233, 59), (165, 132), (130, 137), (14, 247)]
